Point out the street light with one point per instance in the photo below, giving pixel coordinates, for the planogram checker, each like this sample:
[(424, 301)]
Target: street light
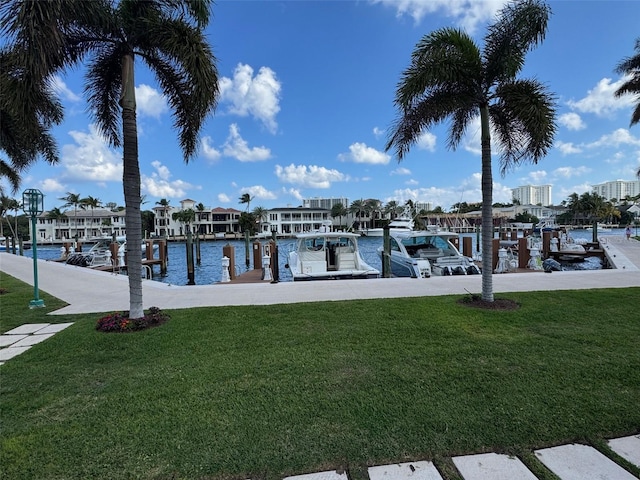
[(33, 205)]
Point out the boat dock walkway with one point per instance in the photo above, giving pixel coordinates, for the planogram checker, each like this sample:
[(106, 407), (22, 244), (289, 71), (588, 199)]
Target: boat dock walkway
[(91, 291)]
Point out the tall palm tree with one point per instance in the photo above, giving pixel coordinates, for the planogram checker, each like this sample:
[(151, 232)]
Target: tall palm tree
[(451, 78), (56, 215), (73, 200), (92, 203), (28, 110), (338, 211), (164, 203), (167, 35), (260, 214), (357, 207), (631, 66), (245, 198)]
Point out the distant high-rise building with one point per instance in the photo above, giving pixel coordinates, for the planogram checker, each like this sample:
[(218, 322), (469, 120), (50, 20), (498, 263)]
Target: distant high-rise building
[(532, 195), (618, 189), (326, 203)]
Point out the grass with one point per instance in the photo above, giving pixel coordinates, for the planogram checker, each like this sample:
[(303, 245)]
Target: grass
[(270, 391)]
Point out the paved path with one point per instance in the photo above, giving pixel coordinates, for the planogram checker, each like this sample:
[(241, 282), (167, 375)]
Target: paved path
[(88, 291)]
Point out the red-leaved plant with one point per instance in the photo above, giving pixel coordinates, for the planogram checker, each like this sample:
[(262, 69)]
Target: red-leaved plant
[(120, 321)]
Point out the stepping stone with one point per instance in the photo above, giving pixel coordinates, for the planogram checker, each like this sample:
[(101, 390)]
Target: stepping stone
[(320, 476), (55, 328), (402, 471), (10, 352), (32, 340), (492, 466), (27, 328), (6, 340), (628, 448), (577, 462)]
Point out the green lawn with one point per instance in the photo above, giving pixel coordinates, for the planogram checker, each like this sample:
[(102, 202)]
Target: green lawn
[(269, 391)]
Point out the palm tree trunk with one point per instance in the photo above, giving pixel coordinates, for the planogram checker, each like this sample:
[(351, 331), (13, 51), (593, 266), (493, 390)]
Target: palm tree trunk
[(487, 210), (131, 185)]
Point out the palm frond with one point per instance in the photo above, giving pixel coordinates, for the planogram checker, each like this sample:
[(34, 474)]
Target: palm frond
[(523, 118), (103, 86), (519, 27), (443, 57)]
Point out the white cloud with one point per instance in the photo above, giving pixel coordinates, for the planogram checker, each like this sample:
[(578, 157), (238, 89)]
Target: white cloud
[(360, 153), (223, 198), (150, 102), (59, 87), (90, 158), (159, 184), (536, 177), (259, 192), (294, 192), (601, 101), (236, 147), (309, 176), (257, 96), (569, 172), (619, 137), (567, 148), (468, 14), (412, 182), (427, 141), (401, 171), (52, 185), (378, 132), (572, 121), (208, 150)]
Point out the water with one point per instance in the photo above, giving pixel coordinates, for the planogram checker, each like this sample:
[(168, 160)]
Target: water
[(210, 270)]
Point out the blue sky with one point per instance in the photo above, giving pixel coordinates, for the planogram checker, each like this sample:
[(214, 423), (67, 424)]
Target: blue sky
[(307, 92)]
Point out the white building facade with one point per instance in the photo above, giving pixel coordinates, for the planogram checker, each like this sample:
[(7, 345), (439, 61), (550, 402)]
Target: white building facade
[(532, 194), (618, 189)]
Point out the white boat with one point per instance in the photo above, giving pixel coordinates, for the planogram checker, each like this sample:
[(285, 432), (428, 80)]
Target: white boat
[(403, 223), (422, 253), (601, 228), (546, 225), (325, 255), (99, 255)]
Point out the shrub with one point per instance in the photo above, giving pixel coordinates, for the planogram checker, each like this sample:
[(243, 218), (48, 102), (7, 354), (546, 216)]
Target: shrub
[(120, 321)]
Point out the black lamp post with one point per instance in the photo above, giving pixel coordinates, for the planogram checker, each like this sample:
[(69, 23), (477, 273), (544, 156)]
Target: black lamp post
[(33, 205)]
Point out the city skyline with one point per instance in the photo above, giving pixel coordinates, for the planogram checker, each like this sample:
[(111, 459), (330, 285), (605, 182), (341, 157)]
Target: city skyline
[(307, 97)]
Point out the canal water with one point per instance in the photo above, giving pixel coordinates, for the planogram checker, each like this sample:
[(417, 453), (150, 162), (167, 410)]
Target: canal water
[(210, 270)]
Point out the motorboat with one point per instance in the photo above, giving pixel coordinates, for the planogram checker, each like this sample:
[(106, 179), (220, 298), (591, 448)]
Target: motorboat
[(546, 225), (100, 254), (403, 223), (422, 253), (326, 255)]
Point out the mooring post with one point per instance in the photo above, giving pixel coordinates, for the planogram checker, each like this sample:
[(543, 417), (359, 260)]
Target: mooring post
[(386, 254), (190, 269)]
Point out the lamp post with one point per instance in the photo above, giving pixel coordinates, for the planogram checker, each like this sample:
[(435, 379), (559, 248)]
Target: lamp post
[(33, 205)]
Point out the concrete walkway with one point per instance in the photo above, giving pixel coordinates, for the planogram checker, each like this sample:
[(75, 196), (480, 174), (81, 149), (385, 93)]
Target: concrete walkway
[(88, 291)]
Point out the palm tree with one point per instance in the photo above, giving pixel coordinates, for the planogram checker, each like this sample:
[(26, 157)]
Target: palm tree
[(56, 215), (631, 66), (164, 203), (246, 198), (451, 78), (260, 214), (186, 217), (92, 203), (168, 36), (357, 207), (338, 211), (374, 206), (73, 200), (28, 111)]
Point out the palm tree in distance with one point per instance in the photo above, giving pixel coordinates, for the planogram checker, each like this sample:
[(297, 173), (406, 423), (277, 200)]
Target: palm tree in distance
[(73, 200), (92, 203), (245, 198), (260, 214), (164, 203), (166, 35), (631, 66), (450, 78), (338, 211), (56, 215)]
